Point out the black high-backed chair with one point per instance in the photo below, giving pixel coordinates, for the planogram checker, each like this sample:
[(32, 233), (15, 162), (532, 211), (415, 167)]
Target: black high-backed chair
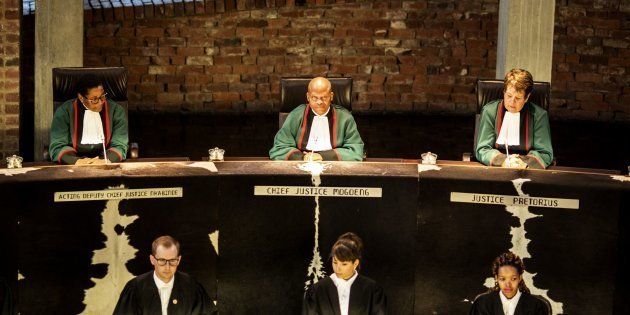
[(114, 81), (293, 93), (489, 90)]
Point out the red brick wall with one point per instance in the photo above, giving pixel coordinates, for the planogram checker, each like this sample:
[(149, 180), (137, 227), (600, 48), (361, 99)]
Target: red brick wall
[(420, 56), (591, 61), (403, 55), (9, 76)]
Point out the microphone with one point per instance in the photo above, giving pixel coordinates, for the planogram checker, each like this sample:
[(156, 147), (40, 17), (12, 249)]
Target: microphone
[(104, 150)]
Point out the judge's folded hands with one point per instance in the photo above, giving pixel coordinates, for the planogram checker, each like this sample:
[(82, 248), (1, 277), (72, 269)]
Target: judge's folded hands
[(514, 161), (90, 161), (312, 156)]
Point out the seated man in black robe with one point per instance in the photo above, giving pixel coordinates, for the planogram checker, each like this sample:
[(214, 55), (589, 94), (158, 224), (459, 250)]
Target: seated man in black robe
[(164, 290)]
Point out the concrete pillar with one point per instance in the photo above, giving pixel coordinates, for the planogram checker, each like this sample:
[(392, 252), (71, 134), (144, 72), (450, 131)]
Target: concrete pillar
[(58, 43), (526, 37)]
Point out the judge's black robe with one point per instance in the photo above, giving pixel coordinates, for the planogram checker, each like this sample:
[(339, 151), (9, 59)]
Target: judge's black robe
[(366, 297), (490, 304), (141, 296)]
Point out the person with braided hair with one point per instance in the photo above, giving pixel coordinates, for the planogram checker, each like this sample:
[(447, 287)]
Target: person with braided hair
[(510, 295)]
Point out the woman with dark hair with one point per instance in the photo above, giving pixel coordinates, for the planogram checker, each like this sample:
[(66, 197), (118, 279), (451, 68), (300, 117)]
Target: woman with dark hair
[(510, 295), (345, 291), (86, 126)]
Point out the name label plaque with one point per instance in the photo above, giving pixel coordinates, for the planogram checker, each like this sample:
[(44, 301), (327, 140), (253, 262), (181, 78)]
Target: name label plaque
[(309, 191), (109, 194), (516, 200)]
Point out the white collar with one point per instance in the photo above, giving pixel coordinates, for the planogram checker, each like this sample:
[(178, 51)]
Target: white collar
[(322, 115), (161, 284), (341, 283), (510, 303), (510, 129)]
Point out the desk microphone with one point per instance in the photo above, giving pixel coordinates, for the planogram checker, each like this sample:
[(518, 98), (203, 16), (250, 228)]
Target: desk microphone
[(104, 150)]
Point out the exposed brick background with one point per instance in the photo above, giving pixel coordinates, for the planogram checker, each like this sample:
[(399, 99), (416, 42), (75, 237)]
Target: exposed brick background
[(591, 61), (405, 56), (9, 76)]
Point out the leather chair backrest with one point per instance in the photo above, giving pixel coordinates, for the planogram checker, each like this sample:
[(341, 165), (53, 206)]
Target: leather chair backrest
[(65, 82), (492, 89), (293, 93)]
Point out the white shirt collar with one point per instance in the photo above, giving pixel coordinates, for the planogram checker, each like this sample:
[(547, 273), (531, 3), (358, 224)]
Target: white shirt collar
[(319, 136), (164, 290), (343, 291), (161, 284), (509, 305), (92, 127), (510, 129), (324, 114)]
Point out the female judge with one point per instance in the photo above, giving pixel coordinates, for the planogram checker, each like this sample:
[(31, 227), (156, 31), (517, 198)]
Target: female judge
[(509, 296), (514, 126), (345, 292)]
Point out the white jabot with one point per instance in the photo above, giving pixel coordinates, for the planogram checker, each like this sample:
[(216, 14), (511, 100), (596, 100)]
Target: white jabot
[(319, 138), (165, 291), (509, 305), (510, 129), (343, 291), (92, 128)]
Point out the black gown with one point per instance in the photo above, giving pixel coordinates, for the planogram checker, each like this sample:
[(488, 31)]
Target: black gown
[(366, 297), (490, 304), (141, 296)]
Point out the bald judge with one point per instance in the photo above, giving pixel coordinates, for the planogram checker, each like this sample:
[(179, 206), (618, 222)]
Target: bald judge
[(318, 130)]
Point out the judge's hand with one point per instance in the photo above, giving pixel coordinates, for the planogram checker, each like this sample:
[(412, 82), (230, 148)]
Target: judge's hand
[(312, 156), (514, 161), (90, 161)]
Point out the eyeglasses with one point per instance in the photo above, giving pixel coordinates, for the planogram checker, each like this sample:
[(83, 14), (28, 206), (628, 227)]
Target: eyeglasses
[(96, 100), (171, 262), (324, 98)]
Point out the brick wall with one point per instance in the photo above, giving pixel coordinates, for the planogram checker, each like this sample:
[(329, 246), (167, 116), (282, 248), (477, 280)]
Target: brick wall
[(591, 61), (9, 76), (405, 56)]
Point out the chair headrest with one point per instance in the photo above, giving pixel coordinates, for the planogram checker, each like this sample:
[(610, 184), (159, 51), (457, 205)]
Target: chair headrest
[(293, 92), (489, 90), (65, 81)]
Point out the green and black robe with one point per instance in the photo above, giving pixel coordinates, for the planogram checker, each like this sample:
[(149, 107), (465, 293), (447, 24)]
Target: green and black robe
[(292, 139), (67, 129), (535, 136)]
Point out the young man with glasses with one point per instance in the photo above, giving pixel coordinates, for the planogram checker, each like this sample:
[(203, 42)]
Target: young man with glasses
[(85, 127), (318, 130), (164, 290)]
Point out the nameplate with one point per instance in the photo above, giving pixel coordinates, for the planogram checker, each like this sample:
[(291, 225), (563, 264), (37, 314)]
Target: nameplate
[(516, 200), (109, 194), (309, 191)]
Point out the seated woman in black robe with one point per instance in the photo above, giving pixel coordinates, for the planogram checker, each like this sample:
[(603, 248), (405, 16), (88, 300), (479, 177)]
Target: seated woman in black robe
[(509, 296), (345, 292)]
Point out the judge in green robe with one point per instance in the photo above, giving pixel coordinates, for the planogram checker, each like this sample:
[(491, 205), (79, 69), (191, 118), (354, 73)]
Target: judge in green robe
[(164, 290), (81, 125), (318, 130), (515, 123)]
